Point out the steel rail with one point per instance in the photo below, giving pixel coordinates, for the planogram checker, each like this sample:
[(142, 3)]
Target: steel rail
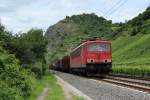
[(130, 80), (130, 85)]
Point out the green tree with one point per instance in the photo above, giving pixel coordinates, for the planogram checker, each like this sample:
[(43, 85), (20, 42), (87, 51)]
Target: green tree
[(30, 48)]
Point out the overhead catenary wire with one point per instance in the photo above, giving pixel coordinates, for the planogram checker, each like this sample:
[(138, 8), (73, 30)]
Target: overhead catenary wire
[(104, 4), (113, 6), (113, 11), (117, 6)]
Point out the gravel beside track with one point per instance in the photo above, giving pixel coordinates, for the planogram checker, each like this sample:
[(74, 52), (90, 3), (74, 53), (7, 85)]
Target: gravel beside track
[(99, 90)]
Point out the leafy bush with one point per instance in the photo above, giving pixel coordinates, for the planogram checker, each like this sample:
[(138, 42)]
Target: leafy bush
[(14, 79), (19, 55), (8, 93), (28, 47), (39, 68), (37, 71)]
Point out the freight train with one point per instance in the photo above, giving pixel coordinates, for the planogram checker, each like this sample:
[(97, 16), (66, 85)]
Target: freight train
[(89, 58)]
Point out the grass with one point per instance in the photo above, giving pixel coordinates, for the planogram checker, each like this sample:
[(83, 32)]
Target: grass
[(131, 55), (133, 70), (38, 86), (131, 48), (55, 91), (76, 98)]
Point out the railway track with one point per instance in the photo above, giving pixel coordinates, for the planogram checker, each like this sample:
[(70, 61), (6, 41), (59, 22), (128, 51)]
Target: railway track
[(135, 83), (130, 76), (142, 85)]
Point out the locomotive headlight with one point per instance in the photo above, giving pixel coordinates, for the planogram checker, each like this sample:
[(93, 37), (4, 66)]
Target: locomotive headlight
[(90, 60), (106, 60)]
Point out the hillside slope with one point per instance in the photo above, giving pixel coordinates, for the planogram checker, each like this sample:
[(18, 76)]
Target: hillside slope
[(132, 42), (70, 32), (135, 50)]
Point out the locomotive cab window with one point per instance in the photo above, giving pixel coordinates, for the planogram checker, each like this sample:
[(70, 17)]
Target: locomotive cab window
[(76, 53), (99, 47)]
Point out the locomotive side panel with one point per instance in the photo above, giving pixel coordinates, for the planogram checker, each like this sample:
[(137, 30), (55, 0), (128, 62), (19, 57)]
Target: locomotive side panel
[(83, 56), (75, 58)]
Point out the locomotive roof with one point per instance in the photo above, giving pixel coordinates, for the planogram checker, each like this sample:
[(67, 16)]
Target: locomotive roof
[(96, 41)]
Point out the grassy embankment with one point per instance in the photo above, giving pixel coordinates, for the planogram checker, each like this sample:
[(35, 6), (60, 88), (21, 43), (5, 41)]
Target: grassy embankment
[(131, 55)]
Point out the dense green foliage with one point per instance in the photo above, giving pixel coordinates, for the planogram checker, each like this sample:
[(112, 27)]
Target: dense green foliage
[(21, 60), (138, 25), (15, 81), (32, 46), (29, 48)]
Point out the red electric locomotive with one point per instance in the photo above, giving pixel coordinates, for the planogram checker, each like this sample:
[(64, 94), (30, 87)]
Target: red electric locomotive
[(92, 57)]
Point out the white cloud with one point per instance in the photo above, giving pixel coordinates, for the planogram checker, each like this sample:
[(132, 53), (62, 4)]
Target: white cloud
[(22, 15)]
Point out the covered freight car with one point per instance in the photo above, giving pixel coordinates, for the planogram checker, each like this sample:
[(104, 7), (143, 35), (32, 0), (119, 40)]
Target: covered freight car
[(62, 64), (65, 63)]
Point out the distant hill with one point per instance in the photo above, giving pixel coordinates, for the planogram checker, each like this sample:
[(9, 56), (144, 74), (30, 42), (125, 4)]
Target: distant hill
[(137, 25), (71, 31)]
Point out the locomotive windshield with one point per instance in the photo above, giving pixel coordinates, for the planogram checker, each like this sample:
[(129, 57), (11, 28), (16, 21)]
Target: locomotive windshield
[(99, 47)]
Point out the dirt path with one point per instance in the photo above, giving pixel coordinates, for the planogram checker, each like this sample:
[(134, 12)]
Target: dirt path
[(67, 92), (44, 93)]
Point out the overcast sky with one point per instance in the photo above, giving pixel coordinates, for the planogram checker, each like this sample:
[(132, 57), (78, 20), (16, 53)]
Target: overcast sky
[(22, 15)]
